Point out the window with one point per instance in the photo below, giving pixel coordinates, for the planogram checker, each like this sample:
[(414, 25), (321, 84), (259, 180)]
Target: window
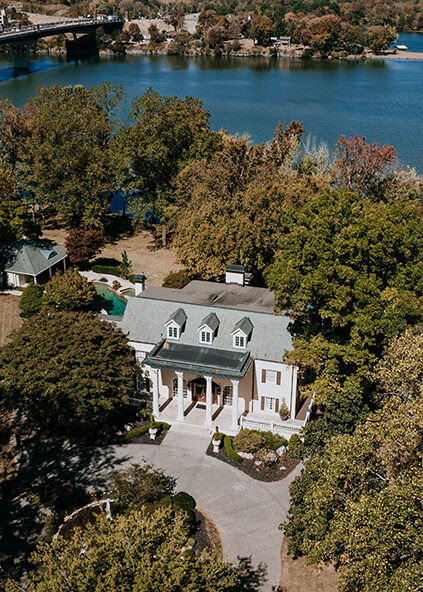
[(239, 341), (205, 336), (173, 332), (271, 376), (227, 395), (269, 404), (175, 388)]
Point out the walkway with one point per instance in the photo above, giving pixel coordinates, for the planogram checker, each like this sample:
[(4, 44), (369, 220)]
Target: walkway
[(246, 512)]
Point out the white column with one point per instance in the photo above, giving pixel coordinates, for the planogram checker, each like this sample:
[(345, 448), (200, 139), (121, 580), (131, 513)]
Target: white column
[(234, 424), (294, 392), (180, 416), (64, 264), (154, 372), (35, 279), (50, 272), (208, 422)]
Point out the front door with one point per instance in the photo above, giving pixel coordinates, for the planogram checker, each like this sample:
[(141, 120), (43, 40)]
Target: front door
[(198, 389)]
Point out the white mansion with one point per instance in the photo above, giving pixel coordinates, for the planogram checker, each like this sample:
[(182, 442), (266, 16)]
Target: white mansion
[(214, 354)]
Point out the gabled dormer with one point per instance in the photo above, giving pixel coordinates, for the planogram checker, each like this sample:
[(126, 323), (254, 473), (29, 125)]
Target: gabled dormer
[(241, 333), (176, 324), (208, 329)]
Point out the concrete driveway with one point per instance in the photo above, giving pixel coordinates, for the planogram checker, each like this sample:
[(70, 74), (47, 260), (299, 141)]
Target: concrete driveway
[(246, 512)]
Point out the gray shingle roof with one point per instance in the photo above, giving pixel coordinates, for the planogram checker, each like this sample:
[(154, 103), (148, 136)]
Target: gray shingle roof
[(245, 325), (179, 317), (211, 321), (30, 257), (145, 318)]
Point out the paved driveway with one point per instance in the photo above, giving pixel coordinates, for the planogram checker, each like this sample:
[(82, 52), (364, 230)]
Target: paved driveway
[(246, 512)]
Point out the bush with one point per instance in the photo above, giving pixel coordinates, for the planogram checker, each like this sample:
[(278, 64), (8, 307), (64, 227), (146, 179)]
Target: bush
[(138, 485), (177, 279), (69, 291), (30, 301), (184, 501), (231, 452), (248, 441), (159, 425), (102, 279), (116, 285), (296, 446), (83, 245), (125, 267), (106, 269), (272, 441), (283, 412)]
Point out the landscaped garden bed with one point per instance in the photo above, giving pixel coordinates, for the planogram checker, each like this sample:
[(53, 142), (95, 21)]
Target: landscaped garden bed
[(263, 456), (140, 434)]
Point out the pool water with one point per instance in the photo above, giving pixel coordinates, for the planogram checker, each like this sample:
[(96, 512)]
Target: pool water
[(109, 301)]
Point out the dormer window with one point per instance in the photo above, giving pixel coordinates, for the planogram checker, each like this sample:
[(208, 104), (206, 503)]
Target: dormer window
[(242, 333), (239, 341), (173, 332), (208, 329), (205, 336), (175, 325)]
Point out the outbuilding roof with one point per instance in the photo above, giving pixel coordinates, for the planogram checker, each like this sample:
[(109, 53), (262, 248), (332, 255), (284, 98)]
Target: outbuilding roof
[(31, 257)]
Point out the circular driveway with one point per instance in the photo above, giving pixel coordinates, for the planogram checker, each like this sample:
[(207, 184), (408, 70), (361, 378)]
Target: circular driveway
[(246, 512)]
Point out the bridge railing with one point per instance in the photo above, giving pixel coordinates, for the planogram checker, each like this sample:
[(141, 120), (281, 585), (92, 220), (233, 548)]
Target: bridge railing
[(61, 24)]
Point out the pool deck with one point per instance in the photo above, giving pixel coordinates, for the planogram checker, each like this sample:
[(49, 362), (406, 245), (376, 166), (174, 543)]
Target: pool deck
[(92, 276)]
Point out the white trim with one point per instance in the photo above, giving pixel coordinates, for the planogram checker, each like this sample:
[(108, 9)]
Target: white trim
[(207, 332)]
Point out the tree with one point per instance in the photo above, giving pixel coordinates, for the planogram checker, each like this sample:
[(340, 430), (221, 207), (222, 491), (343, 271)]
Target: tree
[(261, 29), (131, 553), (67, 372), (68, 291), (380, 37), (31, 299), (137, 486), (350, 273), (68, 156), (125, 267), (367, 169), (134, 32), (15, 220), (83, 245), (155, 36)]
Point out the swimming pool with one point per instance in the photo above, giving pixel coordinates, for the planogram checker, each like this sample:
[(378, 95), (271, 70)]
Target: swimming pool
[(109, 301)]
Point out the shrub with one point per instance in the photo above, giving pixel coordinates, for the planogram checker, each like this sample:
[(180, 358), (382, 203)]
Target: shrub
[(177, 279), (283, 411), (108, 269), (102, 279), (138, 485), (184, 501), (30, 301), (296, 446), (137, 432), (267, 457), (69, 291), (248, 441), (125, 267), (231, 452), (116, 285), (272, 441)]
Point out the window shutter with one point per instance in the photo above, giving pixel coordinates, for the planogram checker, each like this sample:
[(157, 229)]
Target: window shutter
[(262, 402), (276, 405), (278, 378), (263, 375)]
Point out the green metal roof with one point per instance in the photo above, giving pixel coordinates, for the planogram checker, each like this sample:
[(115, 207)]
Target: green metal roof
[(199, 360)]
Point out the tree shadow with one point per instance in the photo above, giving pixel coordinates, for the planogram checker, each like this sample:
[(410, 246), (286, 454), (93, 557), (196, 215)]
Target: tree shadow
[(40, 462), (252, 578), (117, 227)]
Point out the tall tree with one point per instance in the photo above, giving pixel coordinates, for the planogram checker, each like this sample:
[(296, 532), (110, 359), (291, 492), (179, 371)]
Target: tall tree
[(67, 372), (68, 291)]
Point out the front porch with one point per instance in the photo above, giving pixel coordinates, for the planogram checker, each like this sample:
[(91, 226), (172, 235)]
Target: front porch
[(194, 415)]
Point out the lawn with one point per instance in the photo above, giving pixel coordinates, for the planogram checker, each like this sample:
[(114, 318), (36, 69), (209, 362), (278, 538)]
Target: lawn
[(155, 263), (9, 316), (296, 576)]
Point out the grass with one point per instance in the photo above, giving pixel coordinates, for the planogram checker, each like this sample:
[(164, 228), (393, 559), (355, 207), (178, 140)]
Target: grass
[(297, 576), (10, 318)]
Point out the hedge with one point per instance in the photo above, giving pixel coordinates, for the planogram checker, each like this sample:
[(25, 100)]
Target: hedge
[(160, 425), (231, 452), (106, 269)]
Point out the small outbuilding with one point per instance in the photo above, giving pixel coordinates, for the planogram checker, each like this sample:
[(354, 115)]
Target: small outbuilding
[(28, 259)]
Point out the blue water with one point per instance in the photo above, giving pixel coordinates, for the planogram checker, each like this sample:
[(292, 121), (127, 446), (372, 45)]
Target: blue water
[(112, 304), (379, 99), (414, 41)]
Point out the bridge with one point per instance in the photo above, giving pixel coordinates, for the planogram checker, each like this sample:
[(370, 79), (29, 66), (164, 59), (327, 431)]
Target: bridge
[(20, 39)]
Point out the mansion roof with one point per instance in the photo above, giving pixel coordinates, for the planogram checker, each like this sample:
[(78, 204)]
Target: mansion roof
[(235, 307)]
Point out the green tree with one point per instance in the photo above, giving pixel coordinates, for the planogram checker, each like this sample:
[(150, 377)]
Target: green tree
[(68, 156), (68, 291), (15, 220), (350, 272), (67, 372), (132, 553), (140, 485), (31, 300), (380, 37), (125, 268)]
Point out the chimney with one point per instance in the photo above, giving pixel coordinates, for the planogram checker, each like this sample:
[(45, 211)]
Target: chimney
[(139, 281), (234, 274)]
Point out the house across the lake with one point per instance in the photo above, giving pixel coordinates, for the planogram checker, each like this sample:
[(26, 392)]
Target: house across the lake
[(213, 353), (27, 259)]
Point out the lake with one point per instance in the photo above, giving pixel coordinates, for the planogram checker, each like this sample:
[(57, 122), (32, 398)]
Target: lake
[(379, 99)]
